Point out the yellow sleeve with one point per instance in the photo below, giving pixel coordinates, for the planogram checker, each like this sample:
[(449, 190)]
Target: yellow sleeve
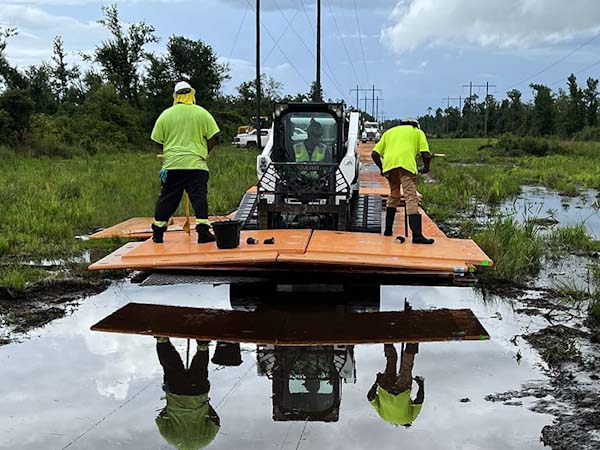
[(158, 133), (380, 146), (423, 144), (211, 127)]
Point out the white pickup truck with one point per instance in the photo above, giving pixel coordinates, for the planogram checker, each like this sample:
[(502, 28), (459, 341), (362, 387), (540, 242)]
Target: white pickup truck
[(248, 140)]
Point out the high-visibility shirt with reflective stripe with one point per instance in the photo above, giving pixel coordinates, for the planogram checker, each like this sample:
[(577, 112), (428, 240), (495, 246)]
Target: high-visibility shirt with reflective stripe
[(318, 154), (400, 146), (184, 131)]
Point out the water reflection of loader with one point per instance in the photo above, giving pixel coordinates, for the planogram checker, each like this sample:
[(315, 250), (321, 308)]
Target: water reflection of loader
[(307, 380)]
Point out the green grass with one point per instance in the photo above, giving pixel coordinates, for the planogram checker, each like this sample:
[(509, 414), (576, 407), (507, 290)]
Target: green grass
[(571, 239), (47, 202), (516, 250)]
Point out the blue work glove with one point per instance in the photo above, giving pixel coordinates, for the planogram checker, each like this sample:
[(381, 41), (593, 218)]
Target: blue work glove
[(163, 175)]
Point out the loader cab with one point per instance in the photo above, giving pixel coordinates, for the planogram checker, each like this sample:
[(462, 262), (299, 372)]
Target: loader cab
[(294, 129)]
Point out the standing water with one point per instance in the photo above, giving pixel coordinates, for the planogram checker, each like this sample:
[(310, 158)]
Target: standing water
[(65, 386)]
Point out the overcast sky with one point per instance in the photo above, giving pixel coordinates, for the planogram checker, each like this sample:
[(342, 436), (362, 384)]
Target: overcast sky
[(415, 51)]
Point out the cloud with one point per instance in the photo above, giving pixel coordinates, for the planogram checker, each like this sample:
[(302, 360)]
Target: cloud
[(490, 23)]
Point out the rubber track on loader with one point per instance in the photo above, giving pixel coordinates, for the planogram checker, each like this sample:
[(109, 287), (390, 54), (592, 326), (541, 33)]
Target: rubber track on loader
[(247, 212), (365, 214)]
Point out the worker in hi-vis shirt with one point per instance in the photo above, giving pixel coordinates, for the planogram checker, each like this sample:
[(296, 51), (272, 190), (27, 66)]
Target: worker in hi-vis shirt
[(187, 133), (312, 150), (390, 395), (396, 156)]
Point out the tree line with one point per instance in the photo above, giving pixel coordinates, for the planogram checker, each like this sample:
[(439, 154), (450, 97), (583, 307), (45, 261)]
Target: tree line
[(570, 113), (57, 108)]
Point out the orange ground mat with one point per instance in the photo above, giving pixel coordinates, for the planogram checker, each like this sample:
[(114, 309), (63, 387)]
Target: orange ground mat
[(303, 325), (372, 250), (301, 247), (140, 227), (181, 249)]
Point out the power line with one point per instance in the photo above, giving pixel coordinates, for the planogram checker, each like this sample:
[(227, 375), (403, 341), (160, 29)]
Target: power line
[(577, 73), (362, 50), (280, 37), (331, 77), (556, 62), (237, 35), (280, 49), (343, 42)]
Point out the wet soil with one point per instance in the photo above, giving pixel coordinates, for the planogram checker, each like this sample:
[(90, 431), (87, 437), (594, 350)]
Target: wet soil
[(44, 302)]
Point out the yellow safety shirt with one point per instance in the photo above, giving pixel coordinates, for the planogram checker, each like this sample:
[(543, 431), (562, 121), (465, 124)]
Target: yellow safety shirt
[(319, 153), (400, 146), (184, 131), (396, 409)]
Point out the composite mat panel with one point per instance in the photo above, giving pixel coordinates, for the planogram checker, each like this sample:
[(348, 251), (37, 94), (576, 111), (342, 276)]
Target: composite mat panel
[(295, 326)]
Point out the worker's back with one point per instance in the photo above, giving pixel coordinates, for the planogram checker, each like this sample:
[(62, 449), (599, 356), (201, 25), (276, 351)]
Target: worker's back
[(184, 131), (399, 147)]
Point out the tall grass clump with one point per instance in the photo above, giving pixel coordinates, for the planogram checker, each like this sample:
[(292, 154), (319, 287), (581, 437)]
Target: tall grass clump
[(516, 249), (574, 238)]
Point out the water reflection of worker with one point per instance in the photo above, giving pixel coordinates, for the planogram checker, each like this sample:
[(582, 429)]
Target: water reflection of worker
[(312, 150), (390, 394), (188, 421)]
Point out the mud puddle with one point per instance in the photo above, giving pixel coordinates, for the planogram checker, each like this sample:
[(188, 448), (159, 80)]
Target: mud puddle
[(67, 387)]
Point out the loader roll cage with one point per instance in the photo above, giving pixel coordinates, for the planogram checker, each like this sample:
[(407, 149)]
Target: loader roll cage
[(291, 127)]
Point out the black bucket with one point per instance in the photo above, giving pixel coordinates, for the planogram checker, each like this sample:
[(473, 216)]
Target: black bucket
[(227, 233)]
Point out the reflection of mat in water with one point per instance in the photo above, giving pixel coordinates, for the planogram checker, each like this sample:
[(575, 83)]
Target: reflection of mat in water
[(295, 326)]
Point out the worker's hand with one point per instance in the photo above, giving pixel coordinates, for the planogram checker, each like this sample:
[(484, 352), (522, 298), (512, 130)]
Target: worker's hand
[(420, 380), (424, 170)]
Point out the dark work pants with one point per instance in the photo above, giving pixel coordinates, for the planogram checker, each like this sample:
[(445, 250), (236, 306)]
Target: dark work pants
[(178, 379), (194, 182)]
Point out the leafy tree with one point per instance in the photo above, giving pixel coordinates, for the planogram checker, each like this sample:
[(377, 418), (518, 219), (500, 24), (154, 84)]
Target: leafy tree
[(315, 95), (576, 108), (590, 99), (270, 90), (10, 77), (39, 88), (120, 57), (196, 62), (543, 109), (19, 107), (63, 75)]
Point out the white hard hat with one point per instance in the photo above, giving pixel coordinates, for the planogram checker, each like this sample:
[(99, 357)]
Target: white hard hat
[(181, 86), (411, 120)]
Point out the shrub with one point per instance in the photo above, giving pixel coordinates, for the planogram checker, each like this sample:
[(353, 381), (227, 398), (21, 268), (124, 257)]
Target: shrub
[(510, 145), (588, 134)]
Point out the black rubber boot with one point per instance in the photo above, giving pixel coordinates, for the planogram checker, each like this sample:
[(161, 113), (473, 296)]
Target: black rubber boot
[(390, 215), (412, 348), (227, 354), (414, 221), (158, 234), (204, 234)]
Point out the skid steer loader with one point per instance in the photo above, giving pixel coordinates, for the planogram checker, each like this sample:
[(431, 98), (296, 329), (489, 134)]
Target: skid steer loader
[(315, 194)]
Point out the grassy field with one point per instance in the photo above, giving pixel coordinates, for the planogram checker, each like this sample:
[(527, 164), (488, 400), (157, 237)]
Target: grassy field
[(46, 202), (469, 177)]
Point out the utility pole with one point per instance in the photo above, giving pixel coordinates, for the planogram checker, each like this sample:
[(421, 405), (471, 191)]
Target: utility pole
[(318, 96), (258, 125), (372, 91), (487, 87), (357, 104), (373, 108), (448, 100)]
